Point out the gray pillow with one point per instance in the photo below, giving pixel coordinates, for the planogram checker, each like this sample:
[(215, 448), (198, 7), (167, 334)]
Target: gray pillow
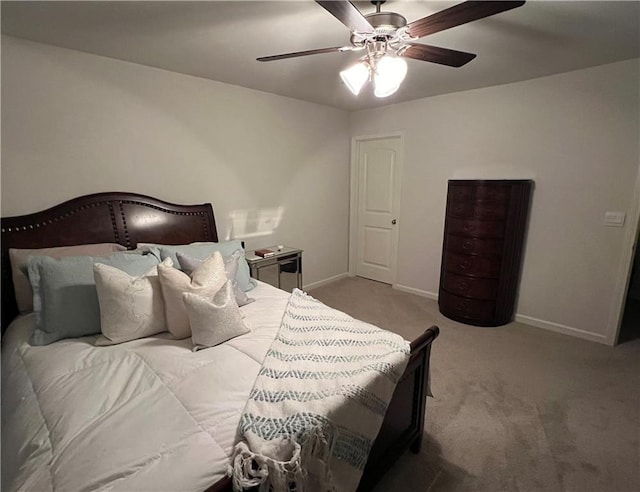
[(202, 251), (189, 264), (65, 300)]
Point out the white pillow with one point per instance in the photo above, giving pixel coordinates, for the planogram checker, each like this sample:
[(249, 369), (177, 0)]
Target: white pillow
[(189, 264), (214, 321), (130, 307), (205, 280)]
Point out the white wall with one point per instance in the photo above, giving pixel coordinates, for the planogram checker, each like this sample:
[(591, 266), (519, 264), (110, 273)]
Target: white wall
[(74, 123), (576, 134)]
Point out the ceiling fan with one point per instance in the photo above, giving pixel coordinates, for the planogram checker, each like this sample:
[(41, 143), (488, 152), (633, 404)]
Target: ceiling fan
[(386, 39)]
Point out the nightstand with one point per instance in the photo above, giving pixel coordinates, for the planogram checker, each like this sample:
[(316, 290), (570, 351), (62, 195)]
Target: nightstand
[(282, 270)]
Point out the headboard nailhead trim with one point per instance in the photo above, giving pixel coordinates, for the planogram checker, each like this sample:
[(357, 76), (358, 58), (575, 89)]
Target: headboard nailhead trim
[(53, 219), (127, 239), (113, 222), (174, 212), (205, 229), (109, 203)]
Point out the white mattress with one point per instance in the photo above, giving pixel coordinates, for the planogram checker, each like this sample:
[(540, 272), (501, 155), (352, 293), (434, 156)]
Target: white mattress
[(147, 414)]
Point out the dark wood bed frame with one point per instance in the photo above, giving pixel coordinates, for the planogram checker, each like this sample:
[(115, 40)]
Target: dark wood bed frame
[(129, 218)]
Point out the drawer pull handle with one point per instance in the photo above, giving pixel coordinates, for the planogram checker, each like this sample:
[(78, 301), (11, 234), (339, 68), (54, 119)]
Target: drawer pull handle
[(467, 245), (464, 265), (461, 307), (462, 286), (469, 227)]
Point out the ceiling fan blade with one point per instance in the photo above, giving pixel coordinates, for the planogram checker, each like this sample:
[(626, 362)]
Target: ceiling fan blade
[(348, 14), (304, 53), (435, 54), (458, 15)]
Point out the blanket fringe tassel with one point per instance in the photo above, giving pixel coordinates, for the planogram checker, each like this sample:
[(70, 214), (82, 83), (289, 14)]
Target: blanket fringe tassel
[(283, 465)]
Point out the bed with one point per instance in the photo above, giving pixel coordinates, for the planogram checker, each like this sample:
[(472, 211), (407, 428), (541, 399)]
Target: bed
[(129, 219)]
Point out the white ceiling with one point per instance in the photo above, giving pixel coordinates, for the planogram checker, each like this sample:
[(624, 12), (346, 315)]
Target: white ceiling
[(221, 40)]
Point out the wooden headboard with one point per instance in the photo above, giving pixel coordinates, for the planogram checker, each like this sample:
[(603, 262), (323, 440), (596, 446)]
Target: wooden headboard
[(112, 217)]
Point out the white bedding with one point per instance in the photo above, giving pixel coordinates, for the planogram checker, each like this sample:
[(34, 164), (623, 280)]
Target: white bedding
[(146, 414)]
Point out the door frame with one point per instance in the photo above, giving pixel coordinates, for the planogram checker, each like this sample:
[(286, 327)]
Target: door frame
[(626, 264), (353, 200)]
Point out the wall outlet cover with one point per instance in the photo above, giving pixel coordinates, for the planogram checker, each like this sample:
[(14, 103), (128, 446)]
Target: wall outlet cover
[(614, 219)]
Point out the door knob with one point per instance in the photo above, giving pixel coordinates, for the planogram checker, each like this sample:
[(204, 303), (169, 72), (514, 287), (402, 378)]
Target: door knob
[(393, 221)]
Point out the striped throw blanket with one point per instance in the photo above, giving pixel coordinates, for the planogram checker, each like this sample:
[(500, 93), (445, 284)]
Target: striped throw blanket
[(318, 402)]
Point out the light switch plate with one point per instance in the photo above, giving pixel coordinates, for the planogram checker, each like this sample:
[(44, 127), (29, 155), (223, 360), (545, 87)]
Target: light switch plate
[(614, 219)]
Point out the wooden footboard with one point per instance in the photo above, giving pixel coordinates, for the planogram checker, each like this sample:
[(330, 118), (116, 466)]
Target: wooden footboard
[(403, 425)]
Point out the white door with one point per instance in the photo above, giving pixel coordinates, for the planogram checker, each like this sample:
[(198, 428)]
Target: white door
[(378, 163)]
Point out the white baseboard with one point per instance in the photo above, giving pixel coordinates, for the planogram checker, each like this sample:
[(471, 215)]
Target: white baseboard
[(418, 292), (520, 318), (326, 281), (563, 329), (527, 320)]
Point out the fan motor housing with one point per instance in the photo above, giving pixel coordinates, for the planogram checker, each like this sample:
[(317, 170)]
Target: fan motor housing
[(386, 20)]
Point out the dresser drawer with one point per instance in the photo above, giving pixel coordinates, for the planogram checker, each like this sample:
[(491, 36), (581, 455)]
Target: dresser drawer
[(475, 246), (461, 307), (479, 210), (493, 193), (487, 192), (474, 266), (460, 193), (478, 288), (476, 228)]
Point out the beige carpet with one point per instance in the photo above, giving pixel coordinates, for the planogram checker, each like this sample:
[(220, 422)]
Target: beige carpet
[(516, 408)]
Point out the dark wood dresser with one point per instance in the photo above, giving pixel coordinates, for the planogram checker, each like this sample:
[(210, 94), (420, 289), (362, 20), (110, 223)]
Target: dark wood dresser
[(481, 256)]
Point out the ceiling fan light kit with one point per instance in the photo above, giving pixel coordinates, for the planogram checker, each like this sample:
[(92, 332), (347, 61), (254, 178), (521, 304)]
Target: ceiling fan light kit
[(388, 39), (389, 74), (356, 76), (386, 71)]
